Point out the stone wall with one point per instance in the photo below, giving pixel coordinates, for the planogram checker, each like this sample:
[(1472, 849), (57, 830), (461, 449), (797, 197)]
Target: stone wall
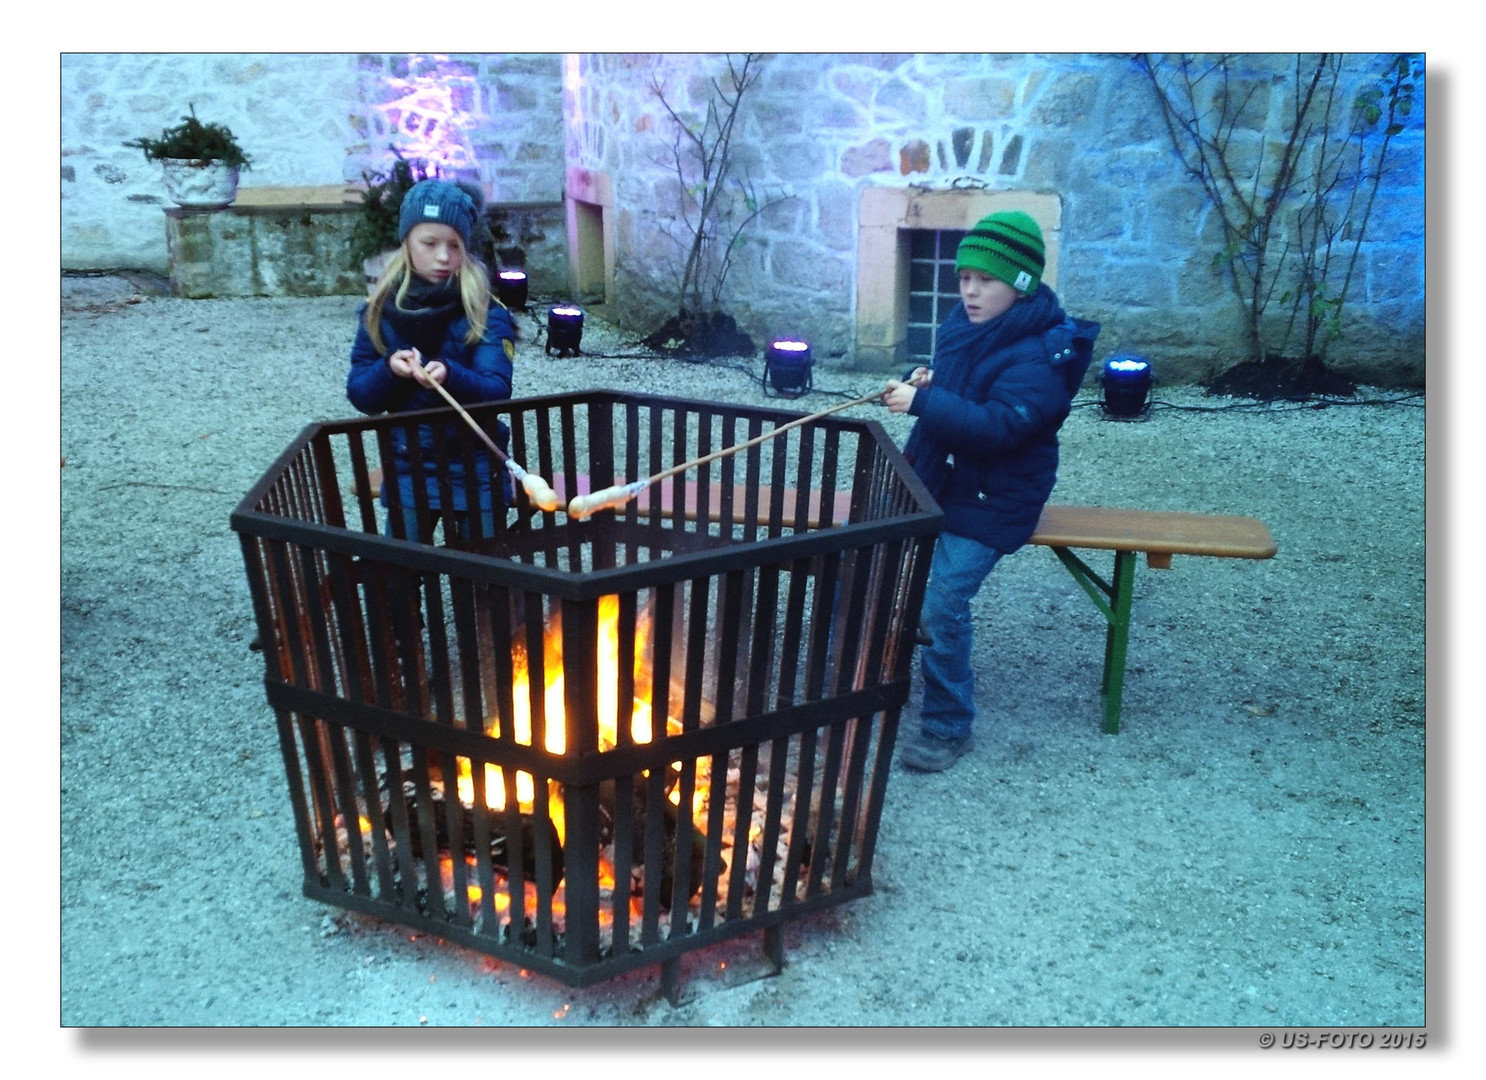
[(1136, 240), (1138, 237), (248, 250), (306, 120)]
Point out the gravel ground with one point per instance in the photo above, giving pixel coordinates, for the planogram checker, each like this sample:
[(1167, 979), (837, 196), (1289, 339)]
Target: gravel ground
[(1247, 852)]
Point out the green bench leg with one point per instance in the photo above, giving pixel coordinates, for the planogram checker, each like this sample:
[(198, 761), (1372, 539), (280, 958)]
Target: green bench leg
[(1117, 640), (1113, 601)]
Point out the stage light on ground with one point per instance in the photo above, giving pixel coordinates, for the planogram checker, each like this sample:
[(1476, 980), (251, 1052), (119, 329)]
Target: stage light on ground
[(511, 288), (787, 367), (564, 330), (1127, 386)]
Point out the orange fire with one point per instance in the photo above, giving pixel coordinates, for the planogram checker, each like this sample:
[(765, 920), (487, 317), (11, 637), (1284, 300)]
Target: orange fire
[(641, 723)]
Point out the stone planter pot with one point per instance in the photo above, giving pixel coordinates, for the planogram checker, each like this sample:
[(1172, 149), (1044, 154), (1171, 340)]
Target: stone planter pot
[(200, 185)]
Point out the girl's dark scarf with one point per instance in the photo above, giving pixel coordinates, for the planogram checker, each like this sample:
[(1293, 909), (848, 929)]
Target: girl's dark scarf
[(426, 313), (960, 348)]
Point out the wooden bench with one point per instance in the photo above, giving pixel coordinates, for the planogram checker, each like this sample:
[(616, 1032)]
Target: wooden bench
[(1156, 533), (1160, 535)]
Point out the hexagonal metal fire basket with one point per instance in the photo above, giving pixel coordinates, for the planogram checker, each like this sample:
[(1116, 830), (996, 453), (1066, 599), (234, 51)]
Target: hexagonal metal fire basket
[(584, 746)]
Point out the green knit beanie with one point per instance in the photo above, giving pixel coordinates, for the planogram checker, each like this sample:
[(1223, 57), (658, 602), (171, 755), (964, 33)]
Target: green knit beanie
[(1005, 245)]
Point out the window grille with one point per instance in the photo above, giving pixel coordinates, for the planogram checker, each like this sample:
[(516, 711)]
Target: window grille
[(933, 287)]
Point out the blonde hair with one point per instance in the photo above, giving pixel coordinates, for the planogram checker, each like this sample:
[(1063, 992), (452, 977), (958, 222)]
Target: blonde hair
[(474, 294)]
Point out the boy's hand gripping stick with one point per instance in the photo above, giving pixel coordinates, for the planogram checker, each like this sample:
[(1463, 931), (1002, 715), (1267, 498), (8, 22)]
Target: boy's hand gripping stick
[(537, 490)]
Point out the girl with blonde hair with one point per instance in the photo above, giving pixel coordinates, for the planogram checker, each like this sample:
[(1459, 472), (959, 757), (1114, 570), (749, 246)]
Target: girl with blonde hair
[(431, 319)]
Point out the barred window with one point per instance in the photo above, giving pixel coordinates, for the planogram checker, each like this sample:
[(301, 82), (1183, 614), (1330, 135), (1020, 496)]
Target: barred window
[(933, 287)]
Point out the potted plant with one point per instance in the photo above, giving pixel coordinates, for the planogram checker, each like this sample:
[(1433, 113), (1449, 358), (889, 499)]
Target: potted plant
[(201, 162), (374, 236)]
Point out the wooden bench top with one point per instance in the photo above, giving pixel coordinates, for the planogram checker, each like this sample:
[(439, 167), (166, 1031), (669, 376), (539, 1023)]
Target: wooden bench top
[(1158, 533), (298, 198), (1155, 532), (841, 508)]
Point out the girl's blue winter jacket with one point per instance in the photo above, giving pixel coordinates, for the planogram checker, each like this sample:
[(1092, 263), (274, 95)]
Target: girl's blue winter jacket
[(477, 373), (986, 440)]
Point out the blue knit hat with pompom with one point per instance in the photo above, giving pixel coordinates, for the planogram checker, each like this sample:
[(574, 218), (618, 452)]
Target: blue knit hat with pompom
[(441, 203)]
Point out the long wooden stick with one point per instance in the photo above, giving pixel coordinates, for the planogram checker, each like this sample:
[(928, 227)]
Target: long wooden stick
[(582, 506), (538, 490)]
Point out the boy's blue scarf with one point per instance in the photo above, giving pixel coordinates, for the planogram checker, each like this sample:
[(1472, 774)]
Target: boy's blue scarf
[(960, 348)]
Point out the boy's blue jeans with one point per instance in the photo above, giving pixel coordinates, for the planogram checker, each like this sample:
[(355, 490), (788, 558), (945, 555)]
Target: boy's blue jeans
[(956, 572)]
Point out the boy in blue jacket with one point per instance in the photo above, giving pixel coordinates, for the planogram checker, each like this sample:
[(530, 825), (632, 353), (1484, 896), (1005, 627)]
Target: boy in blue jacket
[(1007, 363), (430, 318)]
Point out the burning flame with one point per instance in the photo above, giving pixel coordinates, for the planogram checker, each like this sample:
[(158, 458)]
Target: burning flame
[(641, 715)]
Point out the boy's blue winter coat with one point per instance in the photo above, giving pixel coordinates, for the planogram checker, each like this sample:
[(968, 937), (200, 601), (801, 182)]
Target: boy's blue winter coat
[(477, 373), (986, 443)]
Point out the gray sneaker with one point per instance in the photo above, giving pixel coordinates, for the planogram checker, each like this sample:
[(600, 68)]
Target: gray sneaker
[(929, 753)]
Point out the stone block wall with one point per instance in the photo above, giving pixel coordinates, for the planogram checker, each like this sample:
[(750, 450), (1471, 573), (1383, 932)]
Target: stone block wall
[(1138, 237), (262, 251), (306, 119), (493, 118)]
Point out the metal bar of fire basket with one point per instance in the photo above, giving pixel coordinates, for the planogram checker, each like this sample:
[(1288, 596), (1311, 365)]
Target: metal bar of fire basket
[(684, 839), (332, 509), (484, 867), (742, 827), (773, 810), (726, 510), (794, 623), (290, 621), (825, 816), (727, 666), (442, 667), (413, 434), (515, 859), (799, 817), (516, 422), (805, 437), (777, 485), (712, 848), (332, 737), (470, 477), (624, 860), (427, 830), (822, 625), (545, 444), (704, 471), (878, 586), (569, 425), (402, 604), (601, 463), (859, 739), (259, 587), (678, 454), (751, 476), (464, 601), (655, 798), (545, 876), (580, 631)]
